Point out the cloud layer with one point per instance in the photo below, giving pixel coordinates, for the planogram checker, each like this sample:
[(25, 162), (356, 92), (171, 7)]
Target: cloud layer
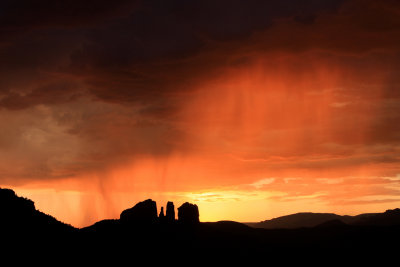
[(178, 95)]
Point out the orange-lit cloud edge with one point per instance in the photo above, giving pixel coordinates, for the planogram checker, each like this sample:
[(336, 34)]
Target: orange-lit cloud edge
[(260, 142), (288, 123)]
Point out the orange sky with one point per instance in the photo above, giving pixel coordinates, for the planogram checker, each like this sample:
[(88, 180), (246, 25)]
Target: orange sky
[(299, 112)]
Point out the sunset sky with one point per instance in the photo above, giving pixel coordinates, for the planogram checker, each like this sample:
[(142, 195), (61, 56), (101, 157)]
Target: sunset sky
[(250, 109)]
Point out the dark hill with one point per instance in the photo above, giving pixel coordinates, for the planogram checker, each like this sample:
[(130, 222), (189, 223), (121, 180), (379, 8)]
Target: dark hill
[(388, 218), (298, 220), (102, 225), (309, 219), (19, 216), (228, 226), (332, 224), (140, 236)]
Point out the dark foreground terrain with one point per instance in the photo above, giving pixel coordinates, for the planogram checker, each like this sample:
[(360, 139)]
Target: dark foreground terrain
[(141, 233)]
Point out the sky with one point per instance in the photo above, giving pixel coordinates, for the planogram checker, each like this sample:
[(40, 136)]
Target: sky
[(250, 109)]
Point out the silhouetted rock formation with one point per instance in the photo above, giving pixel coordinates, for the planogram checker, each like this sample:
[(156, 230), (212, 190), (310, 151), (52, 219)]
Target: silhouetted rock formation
[(188, 213), (18, 215), (26, 228), (142, 212), (161, 216), (170, 215)]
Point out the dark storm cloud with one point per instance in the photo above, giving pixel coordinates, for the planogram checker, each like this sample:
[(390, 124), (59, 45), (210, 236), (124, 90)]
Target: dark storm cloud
[(144, 51), (115, 73), (50, 94), (163, 47), (133, 50), (229, 20), (22, 15)]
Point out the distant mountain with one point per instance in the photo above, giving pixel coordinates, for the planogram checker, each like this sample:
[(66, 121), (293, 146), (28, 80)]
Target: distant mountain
[(309, 219), (336, 223), (19, 216), (298, 220), (388, 218)]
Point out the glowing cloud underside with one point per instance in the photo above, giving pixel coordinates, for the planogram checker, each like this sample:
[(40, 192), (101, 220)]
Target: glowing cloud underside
[(297, 113)]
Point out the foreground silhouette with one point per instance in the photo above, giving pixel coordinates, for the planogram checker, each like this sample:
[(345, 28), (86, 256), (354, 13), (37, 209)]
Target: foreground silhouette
[(19, 216), (141, 233)]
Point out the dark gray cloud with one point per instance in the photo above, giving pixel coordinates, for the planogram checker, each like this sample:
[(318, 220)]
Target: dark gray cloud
[(23, 15), (102, 82), (49, 94), (131, 49)]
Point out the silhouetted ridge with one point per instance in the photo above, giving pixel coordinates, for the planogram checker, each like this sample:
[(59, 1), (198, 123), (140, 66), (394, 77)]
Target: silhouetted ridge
[(141, 234), (142, 212), (231, 226), (298, 220), (332, 223), (389, 217), (11, 204), (188, 213), (308, 219), (19, 216)]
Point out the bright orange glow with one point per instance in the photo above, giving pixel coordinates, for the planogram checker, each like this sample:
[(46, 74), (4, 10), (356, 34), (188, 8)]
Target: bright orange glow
[(282, 134)]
